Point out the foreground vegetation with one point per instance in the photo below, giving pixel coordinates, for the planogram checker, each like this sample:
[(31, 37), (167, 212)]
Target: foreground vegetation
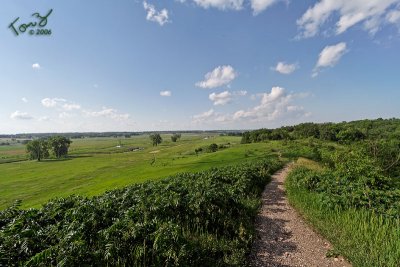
[(353, 205), (95, 165), (191, 219)]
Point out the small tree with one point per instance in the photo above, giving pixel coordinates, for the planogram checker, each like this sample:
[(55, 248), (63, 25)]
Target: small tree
[(38, 149), (175, 137), (213, 148), (155, 139), (60, 145)]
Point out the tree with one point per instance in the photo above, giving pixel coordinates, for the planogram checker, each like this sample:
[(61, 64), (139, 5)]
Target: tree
[(38, 149), (175, 137), (155, 139), (212, 148), (59, 145)]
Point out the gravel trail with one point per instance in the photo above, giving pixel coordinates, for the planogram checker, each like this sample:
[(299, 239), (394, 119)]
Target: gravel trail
[(283, 238)]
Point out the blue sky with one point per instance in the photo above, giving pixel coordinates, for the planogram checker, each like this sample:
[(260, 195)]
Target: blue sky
[(197, 64)]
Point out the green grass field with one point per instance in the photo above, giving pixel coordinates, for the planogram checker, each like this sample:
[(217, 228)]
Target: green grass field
[(96, 165)]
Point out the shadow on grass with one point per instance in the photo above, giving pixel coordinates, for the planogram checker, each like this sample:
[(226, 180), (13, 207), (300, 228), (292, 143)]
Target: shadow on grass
[(66, 158)]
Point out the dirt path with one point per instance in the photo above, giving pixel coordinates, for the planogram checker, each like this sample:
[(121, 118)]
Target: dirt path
[(283, 238)]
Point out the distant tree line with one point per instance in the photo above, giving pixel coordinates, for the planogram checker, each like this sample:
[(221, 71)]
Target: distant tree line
[(39, 149), (345, 132)]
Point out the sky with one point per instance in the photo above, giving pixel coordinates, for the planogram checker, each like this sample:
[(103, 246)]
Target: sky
[(132, 65)]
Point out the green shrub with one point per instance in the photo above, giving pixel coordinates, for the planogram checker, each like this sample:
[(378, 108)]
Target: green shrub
[(191, 219)]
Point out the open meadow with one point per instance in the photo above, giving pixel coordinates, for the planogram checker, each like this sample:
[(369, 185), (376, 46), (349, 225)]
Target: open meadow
[(96, 165)]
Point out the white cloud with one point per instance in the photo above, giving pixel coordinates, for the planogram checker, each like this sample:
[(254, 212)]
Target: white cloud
[(161, 17), (329, 57), (240, 93), (18, 115), (52, 102), (284, 68), (275, 104), (260, 5), (65, 115), (71, 106), (44, 118), (221, 4), (24, 99), (221, 98), (256, 5), (60, 103), (108, 113), (393, 16), (165, 93), (220, 76), (36, 66), (199, 118), (371, 13)]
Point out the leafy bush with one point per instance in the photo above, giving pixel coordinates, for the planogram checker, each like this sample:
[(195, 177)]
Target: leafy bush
[(191, 219), (212, 148), (355, 181)]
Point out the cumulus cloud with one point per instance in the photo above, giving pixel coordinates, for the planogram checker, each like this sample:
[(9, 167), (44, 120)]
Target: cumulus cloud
[(60, 103), (394, 16), (36, 66), (24, 99), (108, 113), (52, 102), (240, 93), (161, 17), (71, 106), (221, 4), (284, 68), (203, 116), (165, 93), (225, 97), (18, 115), (65, 115), (329, 57), (256, 5), (260, 5), (274, 104), (220, 76), (221, 98), (44, 118), (372, 14)]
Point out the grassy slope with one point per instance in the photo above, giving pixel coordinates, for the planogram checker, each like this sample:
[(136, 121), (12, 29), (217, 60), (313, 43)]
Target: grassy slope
[(95, 166), (363, 237)]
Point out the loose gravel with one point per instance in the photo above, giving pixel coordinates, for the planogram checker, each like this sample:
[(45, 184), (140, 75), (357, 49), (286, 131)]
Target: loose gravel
[(283, 238)]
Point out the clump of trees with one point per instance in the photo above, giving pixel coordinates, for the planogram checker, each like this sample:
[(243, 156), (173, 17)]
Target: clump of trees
[(344, 132), (175, 137), (40, 148), (155, 139), (212, 148)]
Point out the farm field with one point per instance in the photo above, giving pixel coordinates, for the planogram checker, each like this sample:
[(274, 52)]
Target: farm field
[(96, 165)]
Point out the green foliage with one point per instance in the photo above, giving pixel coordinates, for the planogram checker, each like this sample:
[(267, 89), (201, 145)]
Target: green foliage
[(59, 145), (355, 181), (156, 139), (350, 135), (386, 152), (38, 149), (175, 137), (345, 132), (191, 219), (212, 148), (364, 237)]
